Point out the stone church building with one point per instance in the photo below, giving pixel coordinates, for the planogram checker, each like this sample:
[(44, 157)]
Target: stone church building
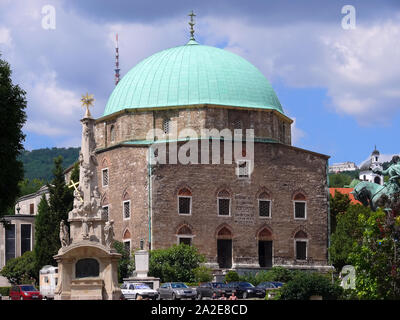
[(271, 210)]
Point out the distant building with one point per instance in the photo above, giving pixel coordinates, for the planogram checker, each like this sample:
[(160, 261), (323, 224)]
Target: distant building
[(366, 169), (343, 166)]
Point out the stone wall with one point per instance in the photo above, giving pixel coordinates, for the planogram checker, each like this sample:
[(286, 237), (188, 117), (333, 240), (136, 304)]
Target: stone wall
[(280, 170)]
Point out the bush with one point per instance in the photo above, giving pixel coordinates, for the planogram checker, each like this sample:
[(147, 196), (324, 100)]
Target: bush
[(126, 264), (279, 274), (232, 276), (21, 269), (176, 263), (307, 284), (203, 274), (5, 291)]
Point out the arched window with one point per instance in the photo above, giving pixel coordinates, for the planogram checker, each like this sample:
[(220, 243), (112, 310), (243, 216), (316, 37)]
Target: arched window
[(264, 205), (224, 203), (185, 235), (301, 244), (127, 241), (185, 201), (300, 206)]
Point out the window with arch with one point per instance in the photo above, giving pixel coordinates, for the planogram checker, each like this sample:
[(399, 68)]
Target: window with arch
[(185, 235), (185, 201), (224, 203), (127, 241), (300, 206), (264, 205), (104, 177), (301, 244)]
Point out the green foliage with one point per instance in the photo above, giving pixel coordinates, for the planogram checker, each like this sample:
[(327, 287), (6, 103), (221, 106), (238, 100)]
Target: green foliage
[(176, 263), (376, 258), (307, 284), (61, 197), (340, 180), (5, 291), (46, 243), (126, 264), (12, 119), (232, 276), (21, 270), (28, 186), (279, 274), (347, 234), (39, 163), (203, 274), (338, 204)]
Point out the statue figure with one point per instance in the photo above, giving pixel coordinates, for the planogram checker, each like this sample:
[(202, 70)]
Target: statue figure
[(369, 193), (64, 235), (109, 233), (85, 227)]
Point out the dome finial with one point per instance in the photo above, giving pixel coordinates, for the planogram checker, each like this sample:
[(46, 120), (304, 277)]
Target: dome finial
[(191, 23)]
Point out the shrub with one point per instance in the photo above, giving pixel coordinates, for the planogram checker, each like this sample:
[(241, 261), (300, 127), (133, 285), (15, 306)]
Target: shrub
[(279, 274), (5, 291), (203, 274), (232, 276), (21, 269), (126, 263), (176, 263), (306, 284)]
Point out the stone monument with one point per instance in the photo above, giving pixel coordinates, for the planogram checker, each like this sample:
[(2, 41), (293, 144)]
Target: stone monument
[(142, 268), (87, 264)]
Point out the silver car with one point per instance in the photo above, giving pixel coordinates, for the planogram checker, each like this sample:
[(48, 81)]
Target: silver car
[(176, 290)]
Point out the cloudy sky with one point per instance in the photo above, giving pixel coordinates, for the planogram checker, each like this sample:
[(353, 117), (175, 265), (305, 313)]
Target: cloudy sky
[(341, 85)]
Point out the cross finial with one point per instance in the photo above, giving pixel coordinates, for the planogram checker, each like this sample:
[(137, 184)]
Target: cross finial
[(191, 23), (87, 101), (74, 185)]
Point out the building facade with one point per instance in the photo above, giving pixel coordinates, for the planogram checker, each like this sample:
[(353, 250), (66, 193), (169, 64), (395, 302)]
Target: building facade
[(253, 212), (366, 169)]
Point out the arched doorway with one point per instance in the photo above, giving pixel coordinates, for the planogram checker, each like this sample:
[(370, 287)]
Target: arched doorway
[(265, 248), (377, 180), (224, 248)]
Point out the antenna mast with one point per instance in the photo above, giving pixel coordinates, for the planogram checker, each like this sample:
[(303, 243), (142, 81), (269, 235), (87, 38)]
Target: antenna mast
[(117, 69)]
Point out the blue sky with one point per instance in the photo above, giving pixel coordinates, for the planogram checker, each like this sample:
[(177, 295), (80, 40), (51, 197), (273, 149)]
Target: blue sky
[(340, 86)]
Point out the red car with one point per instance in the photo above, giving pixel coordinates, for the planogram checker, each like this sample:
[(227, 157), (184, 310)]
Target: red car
[(25, 292)]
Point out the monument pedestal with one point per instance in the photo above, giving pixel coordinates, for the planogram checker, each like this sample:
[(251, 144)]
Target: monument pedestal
[(87, 271), (142, 268)]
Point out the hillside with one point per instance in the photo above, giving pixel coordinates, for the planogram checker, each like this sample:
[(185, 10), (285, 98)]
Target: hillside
[(39, 163)]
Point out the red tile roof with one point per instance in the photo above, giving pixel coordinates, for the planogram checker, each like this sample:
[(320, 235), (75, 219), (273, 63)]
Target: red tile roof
[(344, 191)]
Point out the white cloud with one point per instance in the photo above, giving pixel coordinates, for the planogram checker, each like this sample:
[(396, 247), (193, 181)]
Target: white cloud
[(297, 133), (5, 36), (359, 68)]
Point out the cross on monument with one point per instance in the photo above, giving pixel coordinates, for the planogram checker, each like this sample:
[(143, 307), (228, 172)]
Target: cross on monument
[(74, 185)]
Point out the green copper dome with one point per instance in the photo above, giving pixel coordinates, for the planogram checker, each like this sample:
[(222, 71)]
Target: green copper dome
[(190, 75)]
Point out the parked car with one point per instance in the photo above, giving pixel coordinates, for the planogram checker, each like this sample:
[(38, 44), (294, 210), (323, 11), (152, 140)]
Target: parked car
[(269, 285), (134, 290), (176, 290), (246, 290), (24, 292), (207, 289)]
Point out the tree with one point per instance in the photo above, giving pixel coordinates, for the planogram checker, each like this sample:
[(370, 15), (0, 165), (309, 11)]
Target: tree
[(339, 180), (376, 259), (338, 204), (61, 197), (176, 263), (21, 270), (12, 119), (232, 276), (126, 264), (307, 284), (46, 246), (347, 234)]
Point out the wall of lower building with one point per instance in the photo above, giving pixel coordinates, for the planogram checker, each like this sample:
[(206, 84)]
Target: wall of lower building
[(279, 170)]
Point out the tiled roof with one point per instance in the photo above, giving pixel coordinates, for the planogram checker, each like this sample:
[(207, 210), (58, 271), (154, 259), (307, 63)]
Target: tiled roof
[(344, 191)]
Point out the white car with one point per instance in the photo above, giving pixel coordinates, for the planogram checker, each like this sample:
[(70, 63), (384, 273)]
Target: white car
[(134, 290)]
